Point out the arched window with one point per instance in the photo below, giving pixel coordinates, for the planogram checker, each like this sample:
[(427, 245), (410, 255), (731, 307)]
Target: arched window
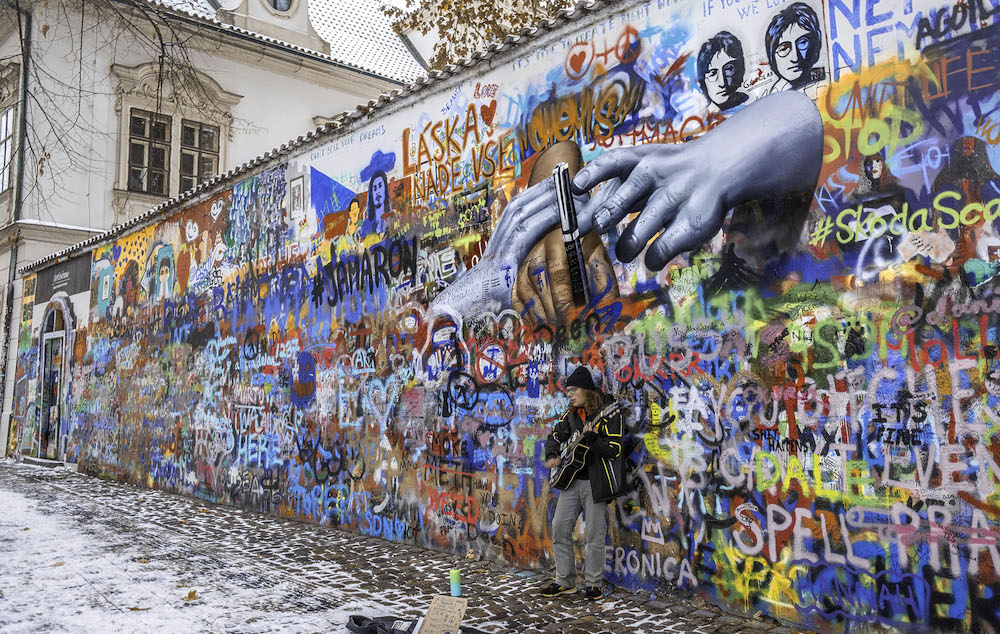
[(54, 322)]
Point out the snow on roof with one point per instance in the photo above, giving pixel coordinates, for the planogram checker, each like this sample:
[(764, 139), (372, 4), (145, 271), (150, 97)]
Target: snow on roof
[(202, 8), (359, 33)]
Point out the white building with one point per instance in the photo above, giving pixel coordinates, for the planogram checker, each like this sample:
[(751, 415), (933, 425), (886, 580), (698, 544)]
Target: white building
[(131, 102)]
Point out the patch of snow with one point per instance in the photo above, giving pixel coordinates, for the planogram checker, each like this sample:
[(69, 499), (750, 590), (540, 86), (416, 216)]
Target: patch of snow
[(58, 576)]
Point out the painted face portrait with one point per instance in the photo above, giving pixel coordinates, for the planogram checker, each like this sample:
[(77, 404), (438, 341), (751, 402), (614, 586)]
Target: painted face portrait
[(720, 67), (378, 192), (791, 52), (875, 167), (793, 45), (354, 213), (877, 187), (720, 77), (378, 203)]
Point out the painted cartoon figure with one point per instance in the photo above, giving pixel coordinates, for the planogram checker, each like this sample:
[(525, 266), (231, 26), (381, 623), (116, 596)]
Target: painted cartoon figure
[(163, 281), (354, 222), (793, 44), (721, 67)]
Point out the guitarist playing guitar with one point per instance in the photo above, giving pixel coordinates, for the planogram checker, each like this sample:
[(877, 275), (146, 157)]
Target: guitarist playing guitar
[(592, 476)]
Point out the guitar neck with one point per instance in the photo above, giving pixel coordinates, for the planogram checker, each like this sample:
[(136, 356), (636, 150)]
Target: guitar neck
[(608, 411)]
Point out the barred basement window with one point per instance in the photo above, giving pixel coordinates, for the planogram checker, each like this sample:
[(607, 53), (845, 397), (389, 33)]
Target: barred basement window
[(148, 152), (199, 153), (6, 146)]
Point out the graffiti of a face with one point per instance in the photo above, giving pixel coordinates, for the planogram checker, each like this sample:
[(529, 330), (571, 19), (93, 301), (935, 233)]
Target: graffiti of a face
[(720, 68), (792, 50), (876, 167), (378, 192), (720, 77), (354, 215), (793, 44), (378, 202)]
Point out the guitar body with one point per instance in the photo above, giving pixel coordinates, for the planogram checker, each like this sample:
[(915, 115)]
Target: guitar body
[(573, 457), (573, 453)]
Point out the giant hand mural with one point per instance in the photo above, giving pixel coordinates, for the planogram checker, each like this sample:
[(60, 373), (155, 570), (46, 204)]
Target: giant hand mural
[(788, 220)]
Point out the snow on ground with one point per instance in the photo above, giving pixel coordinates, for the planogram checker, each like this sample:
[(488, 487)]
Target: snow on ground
[(55, 577)]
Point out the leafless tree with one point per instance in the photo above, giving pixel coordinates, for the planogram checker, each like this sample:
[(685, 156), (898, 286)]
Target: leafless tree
[(61, 127)]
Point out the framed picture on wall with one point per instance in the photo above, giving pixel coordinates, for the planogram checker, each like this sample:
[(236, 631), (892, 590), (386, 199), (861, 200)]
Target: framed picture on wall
[(295, 194)]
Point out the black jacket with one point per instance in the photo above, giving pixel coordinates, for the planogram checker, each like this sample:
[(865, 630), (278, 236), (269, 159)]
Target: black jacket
[(605, 459)]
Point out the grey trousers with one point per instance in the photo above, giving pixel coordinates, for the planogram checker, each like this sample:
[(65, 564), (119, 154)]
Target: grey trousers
[(579, 497)]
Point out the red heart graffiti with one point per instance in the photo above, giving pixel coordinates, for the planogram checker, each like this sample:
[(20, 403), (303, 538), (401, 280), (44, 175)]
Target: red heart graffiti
[(576, 61), (487, 112)]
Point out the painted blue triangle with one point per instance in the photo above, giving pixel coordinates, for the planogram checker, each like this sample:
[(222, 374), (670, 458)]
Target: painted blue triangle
[(327, 195)]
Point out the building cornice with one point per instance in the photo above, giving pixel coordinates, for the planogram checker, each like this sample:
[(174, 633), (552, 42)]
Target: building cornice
[(10, 77), (28, 229), (145, 81)]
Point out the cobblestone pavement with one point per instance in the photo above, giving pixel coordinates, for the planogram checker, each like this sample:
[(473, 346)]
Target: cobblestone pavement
[(300, 577)]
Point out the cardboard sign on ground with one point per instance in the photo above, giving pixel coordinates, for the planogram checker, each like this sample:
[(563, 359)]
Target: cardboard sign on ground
[(444, 615)]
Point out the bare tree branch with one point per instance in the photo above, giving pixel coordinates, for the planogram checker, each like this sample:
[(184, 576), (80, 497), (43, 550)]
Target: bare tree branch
[(61, 129)]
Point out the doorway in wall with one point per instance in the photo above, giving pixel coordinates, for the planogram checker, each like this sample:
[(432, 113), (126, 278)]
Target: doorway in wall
[(53, 349)]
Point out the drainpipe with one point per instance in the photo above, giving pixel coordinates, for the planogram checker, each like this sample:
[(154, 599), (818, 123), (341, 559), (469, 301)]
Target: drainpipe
[(22, 127)]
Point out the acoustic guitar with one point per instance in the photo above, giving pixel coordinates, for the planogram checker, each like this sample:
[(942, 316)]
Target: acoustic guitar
[(573, 453)]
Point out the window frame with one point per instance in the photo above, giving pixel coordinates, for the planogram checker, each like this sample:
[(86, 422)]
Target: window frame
[(293, 6), (137, 89), (7, 142), (149, 142), (10, 81), (199, 153)]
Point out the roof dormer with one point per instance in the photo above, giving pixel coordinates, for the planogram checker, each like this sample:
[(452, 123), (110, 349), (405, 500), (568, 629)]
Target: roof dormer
[(286, 20)]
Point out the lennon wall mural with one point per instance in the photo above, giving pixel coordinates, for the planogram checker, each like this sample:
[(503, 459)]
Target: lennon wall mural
[(789, 226)]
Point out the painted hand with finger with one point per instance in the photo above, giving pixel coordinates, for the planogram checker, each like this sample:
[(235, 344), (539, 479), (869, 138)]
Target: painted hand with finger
[(682, 193), (525, 265), (543, 292), (489, 286)]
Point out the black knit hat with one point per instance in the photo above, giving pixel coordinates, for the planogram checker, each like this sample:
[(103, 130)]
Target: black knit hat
[(582, 378)]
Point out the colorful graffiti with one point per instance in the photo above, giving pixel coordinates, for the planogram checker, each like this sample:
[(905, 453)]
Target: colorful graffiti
[(789, 217)]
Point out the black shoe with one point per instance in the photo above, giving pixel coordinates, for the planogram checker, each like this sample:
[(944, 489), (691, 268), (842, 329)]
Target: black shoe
[(593, 593), (371, 625), (554, 590)]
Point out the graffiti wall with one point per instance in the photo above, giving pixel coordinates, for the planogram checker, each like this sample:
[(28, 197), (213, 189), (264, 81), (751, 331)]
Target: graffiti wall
[(788, 227), (51, 344)]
